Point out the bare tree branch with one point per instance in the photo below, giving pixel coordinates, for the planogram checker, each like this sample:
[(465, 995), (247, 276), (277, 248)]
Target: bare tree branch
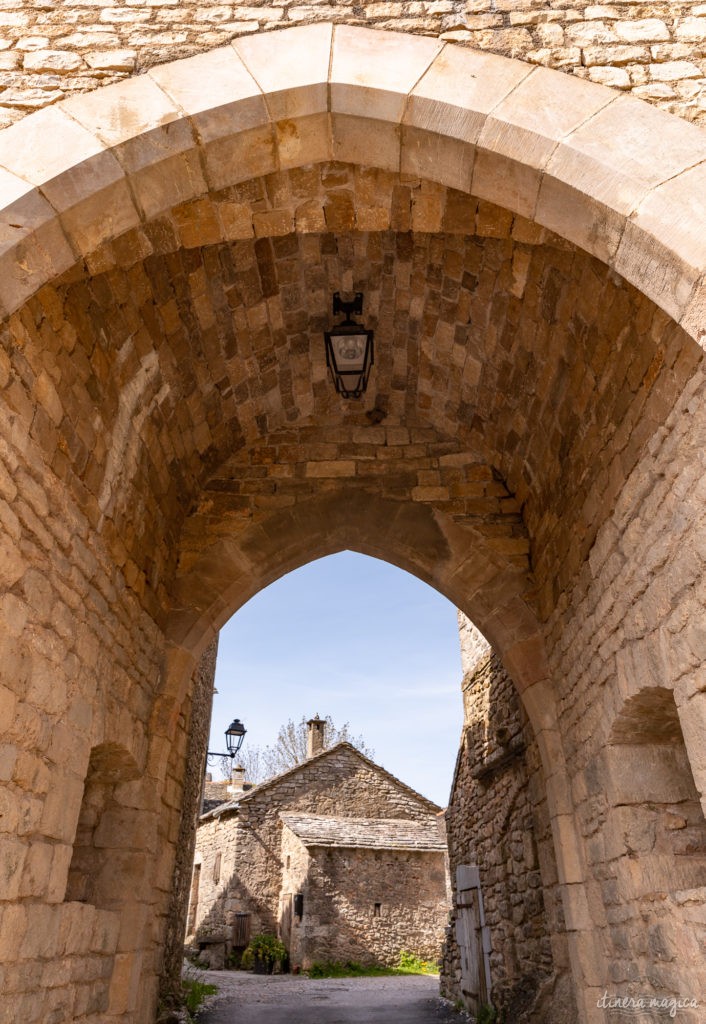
[(289, 749)]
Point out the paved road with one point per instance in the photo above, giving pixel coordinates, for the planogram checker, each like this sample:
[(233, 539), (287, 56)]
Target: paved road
[(249, 999)]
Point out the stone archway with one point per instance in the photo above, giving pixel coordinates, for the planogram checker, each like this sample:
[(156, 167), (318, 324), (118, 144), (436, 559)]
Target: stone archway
[(542, 398)]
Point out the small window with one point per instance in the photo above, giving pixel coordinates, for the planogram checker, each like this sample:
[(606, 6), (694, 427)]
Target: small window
[(288, 861), (376, 909), (217, 868)]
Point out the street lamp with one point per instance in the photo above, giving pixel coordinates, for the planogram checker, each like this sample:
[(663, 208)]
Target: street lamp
[(235, 734), (349, 349)]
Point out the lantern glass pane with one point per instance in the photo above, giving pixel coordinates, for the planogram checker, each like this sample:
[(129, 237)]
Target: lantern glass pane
[(349, 351)]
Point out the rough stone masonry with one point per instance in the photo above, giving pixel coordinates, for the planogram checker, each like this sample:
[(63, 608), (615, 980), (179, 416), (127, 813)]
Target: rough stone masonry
[(50, 50)]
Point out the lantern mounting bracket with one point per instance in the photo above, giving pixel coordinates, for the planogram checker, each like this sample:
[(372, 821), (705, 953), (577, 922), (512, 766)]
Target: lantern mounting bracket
[(235, 734), (349, 309)]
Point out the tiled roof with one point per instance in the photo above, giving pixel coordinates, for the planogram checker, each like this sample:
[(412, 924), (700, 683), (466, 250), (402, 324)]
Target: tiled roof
[(368, 833), (323, 755), (210, 804)]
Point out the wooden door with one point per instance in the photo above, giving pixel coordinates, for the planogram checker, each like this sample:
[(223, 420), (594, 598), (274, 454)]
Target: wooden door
[(473, 939)]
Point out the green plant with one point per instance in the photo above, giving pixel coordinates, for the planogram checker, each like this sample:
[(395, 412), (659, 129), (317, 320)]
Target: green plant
[(195, 992), (347, 969), (410, 963), (487, 1014), (267, 949)]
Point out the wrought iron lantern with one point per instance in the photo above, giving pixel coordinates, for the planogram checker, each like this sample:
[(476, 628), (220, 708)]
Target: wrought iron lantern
[(235, 734), (349, 348)]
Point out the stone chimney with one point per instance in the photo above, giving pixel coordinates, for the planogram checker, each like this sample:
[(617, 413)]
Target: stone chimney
[(315, 736), (237, 781)]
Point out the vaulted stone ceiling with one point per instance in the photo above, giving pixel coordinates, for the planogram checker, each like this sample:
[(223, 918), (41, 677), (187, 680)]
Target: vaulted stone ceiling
[(190, 374)]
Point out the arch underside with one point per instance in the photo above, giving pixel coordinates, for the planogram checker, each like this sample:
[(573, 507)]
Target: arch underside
[(182, 242), (516, 382)]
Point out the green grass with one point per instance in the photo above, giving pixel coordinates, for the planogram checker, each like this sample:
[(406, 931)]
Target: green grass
[(408, 964), (195, 992)]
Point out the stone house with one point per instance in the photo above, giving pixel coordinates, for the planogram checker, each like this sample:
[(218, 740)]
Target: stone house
[(336, 856)]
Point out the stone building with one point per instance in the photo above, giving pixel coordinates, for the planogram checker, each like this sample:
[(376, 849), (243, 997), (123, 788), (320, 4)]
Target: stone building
[(336, 856), (507, 940), (517, 188), (506, 943)]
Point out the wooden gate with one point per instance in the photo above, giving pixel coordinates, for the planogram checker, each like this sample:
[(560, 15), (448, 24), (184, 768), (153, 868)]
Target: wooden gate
[(473, 938), (241, 931)]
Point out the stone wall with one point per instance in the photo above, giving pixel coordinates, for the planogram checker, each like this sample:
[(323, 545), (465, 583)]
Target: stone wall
[(497, 819), (338, 782), (365, 905), (633, 631), (197, 724), (656, 50)]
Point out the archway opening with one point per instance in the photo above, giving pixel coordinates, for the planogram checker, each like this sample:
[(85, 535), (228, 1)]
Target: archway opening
[(379, 650)]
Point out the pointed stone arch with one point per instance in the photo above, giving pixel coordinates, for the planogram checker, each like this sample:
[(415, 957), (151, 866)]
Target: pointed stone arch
[(83, 186), (612, 175)]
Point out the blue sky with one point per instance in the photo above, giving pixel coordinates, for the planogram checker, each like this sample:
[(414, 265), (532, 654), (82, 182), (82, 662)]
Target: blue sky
[(360, 640)]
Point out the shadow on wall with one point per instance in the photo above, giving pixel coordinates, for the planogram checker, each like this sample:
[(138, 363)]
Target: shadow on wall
[(655, 838), (110, 854), (498, 824), (221, 929)]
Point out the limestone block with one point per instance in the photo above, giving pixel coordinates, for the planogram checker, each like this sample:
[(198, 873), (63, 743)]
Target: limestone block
[(691, 29), (523, 131), (68, 173), (246, 155), (692, 718), (652, 146), (36, 870), (662, 275), (304, 140), (656, 874), (111, 60), (647, 30), (612, 186), (124, 984), (358, 139), (448, 161), (119, 113), (33, 245), (373, 82), (458, 91), (674, 212), (629, 829), (59, 872), (616, 55), (12, 564), (644, 773), (61, 807), (58, 61), (675, 71), (568, 853), (617, 78), (291, 69), (13, 925), (221, 97)]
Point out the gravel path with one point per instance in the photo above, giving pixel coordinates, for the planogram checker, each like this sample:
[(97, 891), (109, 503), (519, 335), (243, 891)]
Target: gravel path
[(285, 999)]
